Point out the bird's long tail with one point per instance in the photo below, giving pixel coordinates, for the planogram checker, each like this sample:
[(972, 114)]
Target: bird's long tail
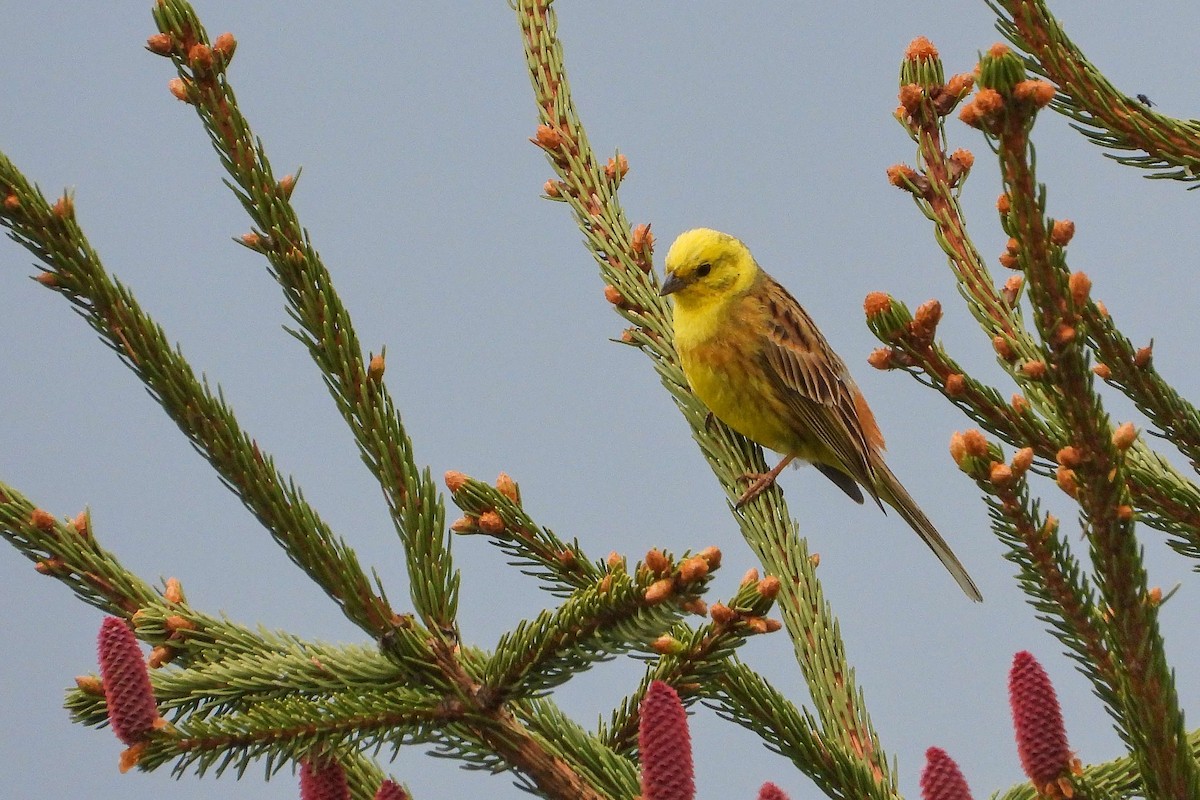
[(898, 498)]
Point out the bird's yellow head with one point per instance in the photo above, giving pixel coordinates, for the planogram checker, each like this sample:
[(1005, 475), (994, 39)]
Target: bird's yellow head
[(704, 265)]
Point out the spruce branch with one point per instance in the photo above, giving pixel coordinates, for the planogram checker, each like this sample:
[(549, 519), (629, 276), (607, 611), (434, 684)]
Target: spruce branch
[(1170, 147), (325, 327), (619, 613), (75, 271), (623, 257), (497, 513)]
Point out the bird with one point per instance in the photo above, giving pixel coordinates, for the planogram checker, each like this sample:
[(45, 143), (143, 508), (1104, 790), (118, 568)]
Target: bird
[(752, 354)]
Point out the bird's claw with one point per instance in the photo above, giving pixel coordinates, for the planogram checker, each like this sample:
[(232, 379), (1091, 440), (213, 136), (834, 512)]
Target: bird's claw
[(759, 483)]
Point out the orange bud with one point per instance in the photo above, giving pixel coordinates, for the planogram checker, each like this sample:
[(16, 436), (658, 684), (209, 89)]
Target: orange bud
[(615, 561), (376, 368), (566, 558), (1000, 474), (881, 358), (877, 303), (612, 295), (1061, 233), (90, 684), (768, 587), (696, 606), (1102, 371), (1022, 460), (1003, 204), (659, 591), (905, 177), (998, 49), (750, 577), (1019, 403), (721, 613), (969, 115), (465, 524), (42, 520), (712, 555), (455, 481), (956, 384), (548, 138), (200, 57), (490, 522), (643, 239), (225, 45), (920, 48), (1069, 456), (1065, 478), (12, 202), (64, 208), (1003, 348), (772, 625), (506, 486), (179, 88), (657, 562), (988, 101), (252, 240), (287, 184), (1103, 309), (666, 645), (926, 319), (1154, 596), (175, 623), (1124, 513), (173, 591), (911, 96), (1034, 369), (1040, 93), (1012, 287), (958, 447), (159, 44), (959, 85), (1124, 436), (756, 624), (1009, 261), (617, 168), (963, 158), (551, 188), (160, 655), (693, 569), (1064, 334), (815, 560), (83, 524), (975, 443), (1141, 359)]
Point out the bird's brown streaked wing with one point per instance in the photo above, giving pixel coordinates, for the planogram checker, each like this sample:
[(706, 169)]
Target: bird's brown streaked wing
[(814, 383)]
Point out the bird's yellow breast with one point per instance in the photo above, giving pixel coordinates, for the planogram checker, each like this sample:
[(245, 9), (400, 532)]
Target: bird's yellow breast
[(721, 355)]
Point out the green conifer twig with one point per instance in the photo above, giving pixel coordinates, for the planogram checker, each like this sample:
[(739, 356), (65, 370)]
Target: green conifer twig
[(623, 258)]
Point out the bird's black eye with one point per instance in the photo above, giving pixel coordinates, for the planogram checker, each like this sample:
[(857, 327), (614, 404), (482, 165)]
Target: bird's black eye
[(703, 269)]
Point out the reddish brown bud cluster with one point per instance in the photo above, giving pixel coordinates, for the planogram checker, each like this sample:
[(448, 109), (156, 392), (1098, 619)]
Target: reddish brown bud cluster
[(179, 88), (1004, 204), (1021, 461), (200, 57), (941, 779), (1010, 258), (491, 522), (1034, 369), (323, 779), (984, 106), (642, 243), (42, 520), (1141, 359), (1123, 437), (1019, 403), (769, 791), (127, 692), (920, 49), (1102, 371), (1037, 720), (390, 790), (905, 177), (553, 189), (881, 358), (956, 384), (1003, 348), (665, 746)]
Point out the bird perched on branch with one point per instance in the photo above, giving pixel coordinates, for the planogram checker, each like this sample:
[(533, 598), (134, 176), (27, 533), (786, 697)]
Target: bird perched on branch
[(755, 358)]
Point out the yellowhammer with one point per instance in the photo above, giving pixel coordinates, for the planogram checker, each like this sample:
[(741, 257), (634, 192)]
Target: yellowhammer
[(756, 359)]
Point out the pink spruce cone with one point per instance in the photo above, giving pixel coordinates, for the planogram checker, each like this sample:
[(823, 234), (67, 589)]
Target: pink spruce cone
[(127, 691), (769, 791), (1037, 719), (665, 745), (941, 779), (390, 790), (323, 780)]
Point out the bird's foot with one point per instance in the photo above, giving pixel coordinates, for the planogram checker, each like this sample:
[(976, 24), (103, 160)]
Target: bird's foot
[(759, 483)]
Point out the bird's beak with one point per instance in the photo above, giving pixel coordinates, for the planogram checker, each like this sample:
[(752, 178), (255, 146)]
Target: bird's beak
[(673, 283)]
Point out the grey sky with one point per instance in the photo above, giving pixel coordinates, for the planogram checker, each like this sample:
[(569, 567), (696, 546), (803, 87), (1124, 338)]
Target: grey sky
[(420, 190)]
